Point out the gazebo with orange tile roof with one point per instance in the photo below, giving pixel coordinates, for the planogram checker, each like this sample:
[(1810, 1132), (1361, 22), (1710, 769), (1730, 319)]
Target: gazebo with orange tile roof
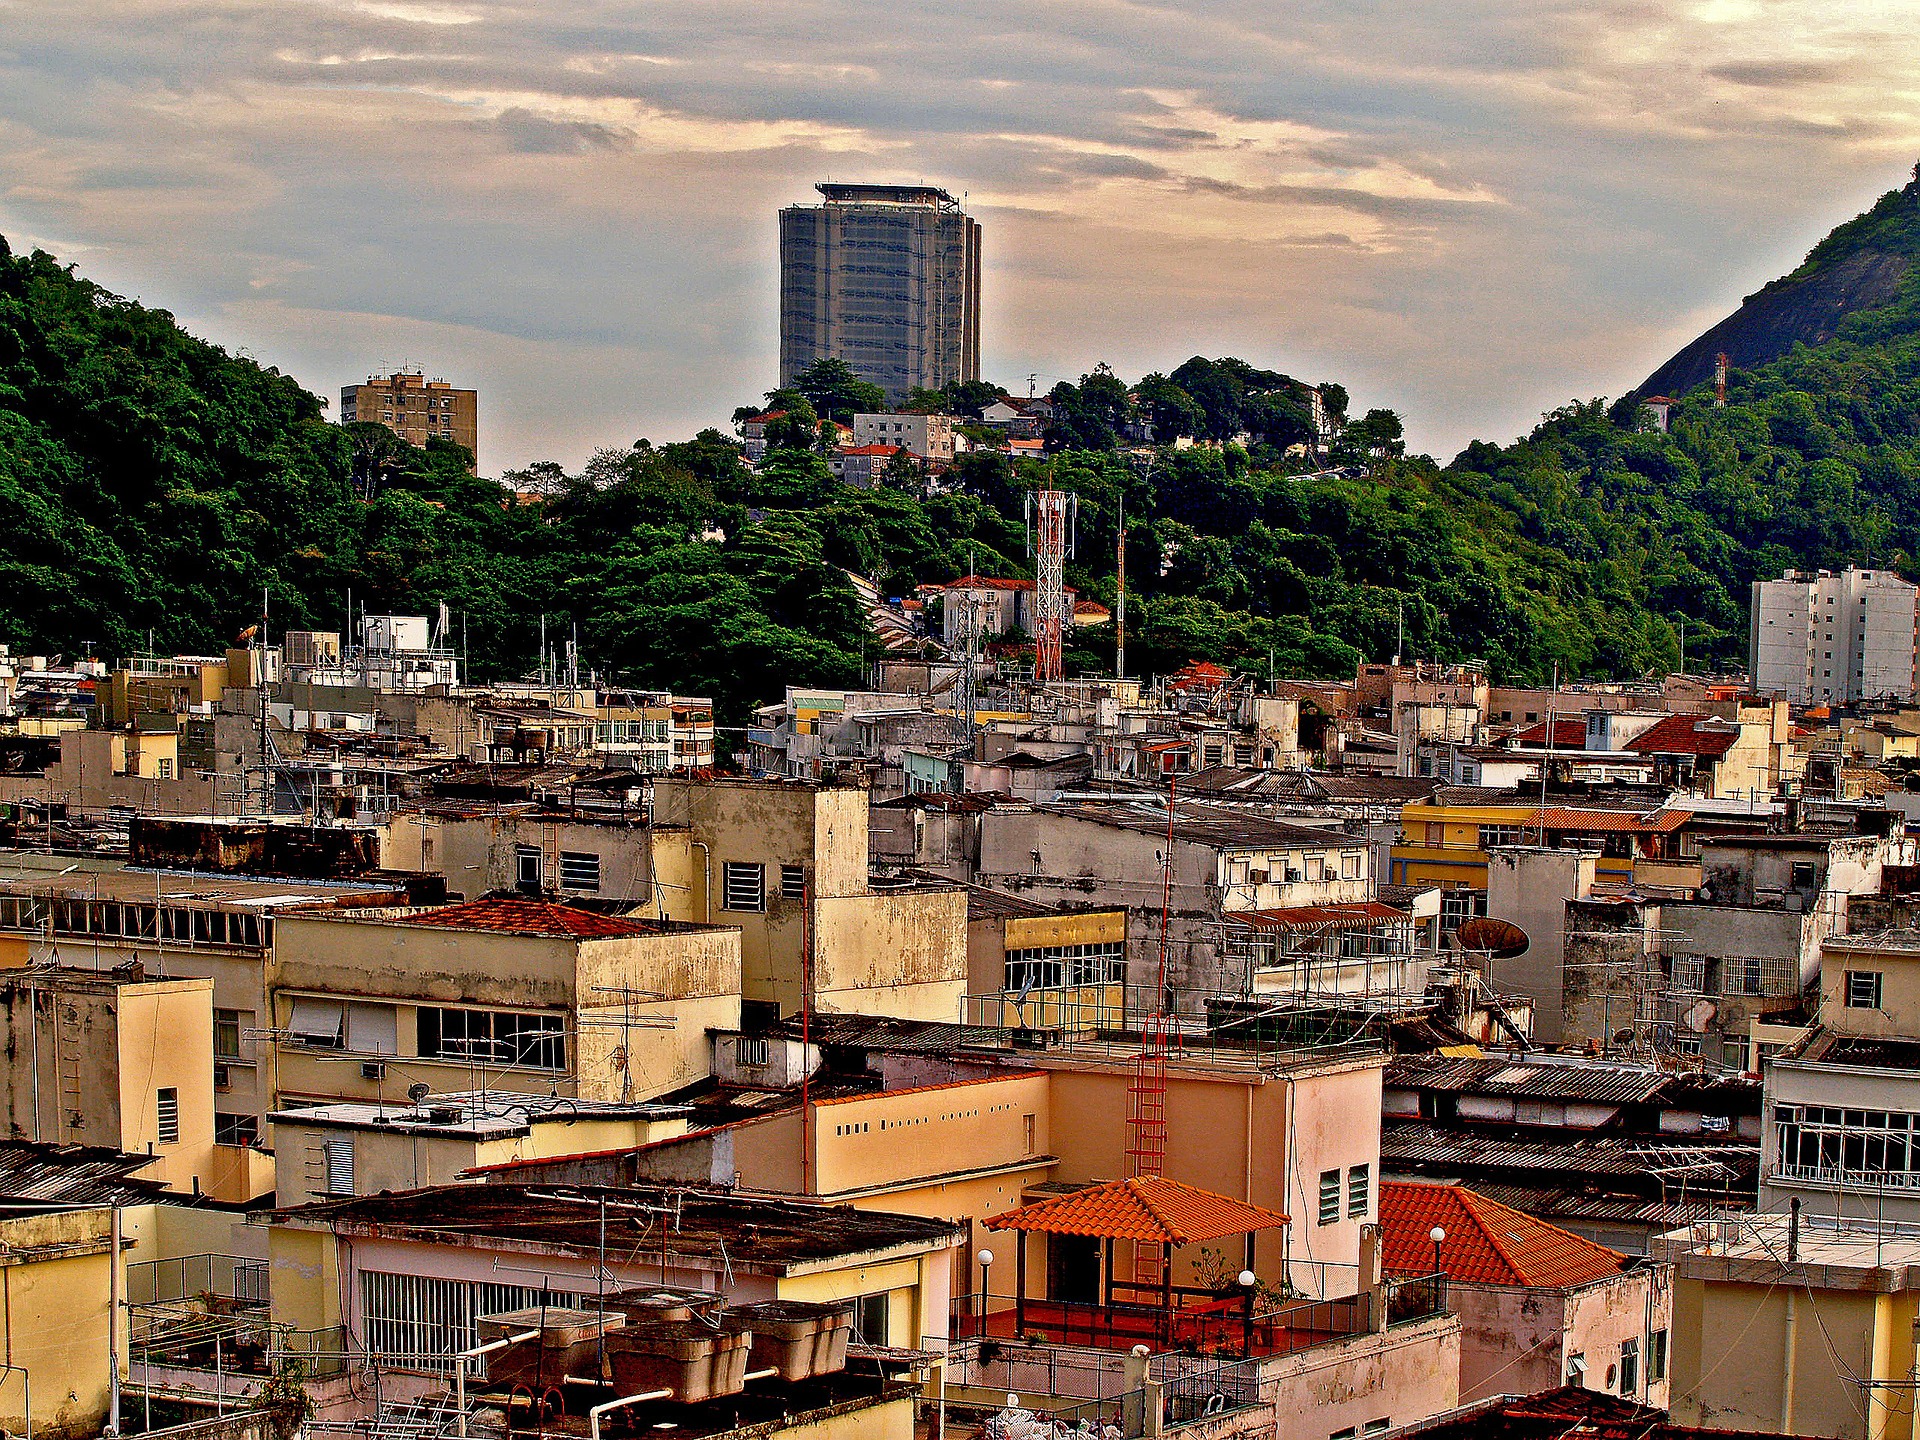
[(1147, 1210)]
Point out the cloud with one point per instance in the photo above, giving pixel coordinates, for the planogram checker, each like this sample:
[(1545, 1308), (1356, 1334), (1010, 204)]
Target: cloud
[(1471, 213)]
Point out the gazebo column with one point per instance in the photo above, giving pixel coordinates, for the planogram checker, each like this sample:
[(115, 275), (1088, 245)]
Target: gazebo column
[(1166, 1291), (1020, 1283), (1106, 1276)]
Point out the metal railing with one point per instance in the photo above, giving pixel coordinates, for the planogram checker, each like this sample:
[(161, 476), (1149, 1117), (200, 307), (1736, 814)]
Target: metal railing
[(228, 1277), (1197, 1323), (1210, 1391), (1416, 1297)]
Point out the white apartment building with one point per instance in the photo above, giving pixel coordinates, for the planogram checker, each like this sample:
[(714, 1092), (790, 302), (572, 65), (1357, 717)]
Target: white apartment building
[(928, 436), (1834, 638)]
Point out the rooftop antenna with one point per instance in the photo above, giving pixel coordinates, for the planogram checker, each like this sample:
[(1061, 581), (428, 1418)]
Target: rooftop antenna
[(1051, 514), (1400, 632), (1120, 592)]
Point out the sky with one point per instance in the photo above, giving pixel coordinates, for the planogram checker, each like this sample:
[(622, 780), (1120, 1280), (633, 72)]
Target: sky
[(1470, 211)]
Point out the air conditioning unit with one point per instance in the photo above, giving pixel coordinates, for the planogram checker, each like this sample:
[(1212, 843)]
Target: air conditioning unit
[(372, 1070), (1294, 877), (1256, 877), (222, 1078)]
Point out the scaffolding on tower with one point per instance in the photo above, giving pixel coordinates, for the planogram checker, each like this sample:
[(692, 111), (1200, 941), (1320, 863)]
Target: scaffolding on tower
[(1050, 521)]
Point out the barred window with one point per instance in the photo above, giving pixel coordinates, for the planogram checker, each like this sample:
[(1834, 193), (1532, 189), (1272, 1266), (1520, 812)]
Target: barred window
[(793, 882), (743, 886), (497, 1037), (418, 1322), (167, 1117)]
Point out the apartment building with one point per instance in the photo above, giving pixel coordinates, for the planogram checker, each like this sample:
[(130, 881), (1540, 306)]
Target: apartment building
[(926, 437), (1833, 639), (885, 278), (415, 408), (123, 1059)]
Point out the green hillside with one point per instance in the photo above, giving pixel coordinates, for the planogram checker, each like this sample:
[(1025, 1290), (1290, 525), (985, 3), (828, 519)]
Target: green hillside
[(150, 481)]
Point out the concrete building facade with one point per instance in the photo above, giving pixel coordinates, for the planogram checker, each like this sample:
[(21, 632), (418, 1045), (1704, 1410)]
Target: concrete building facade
[(1833, 639), (414, 408)]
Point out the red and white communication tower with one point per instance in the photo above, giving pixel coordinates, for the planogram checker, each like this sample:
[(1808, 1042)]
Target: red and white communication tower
[(1050, 521)]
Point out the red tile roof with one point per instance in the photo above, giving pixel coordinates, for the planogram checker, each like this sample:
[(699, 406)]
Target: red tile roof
[(528, 917), (1686, 735), (1143, 1208), (987, 582), (1567, 735), (871, 449), (1487, 1243), (1596, 822)]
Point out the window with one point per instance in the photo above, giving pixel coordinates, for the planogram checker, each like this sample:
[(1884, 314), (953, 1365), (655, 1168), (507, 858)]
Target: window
[(1656, 1357), (167, 1107), (372, 1028), (793, 882), (236, 1129), (1359, 1190), (743, 886), (1802, 875), (754, 1050), (1346, 1434), (1377, 1427), (1740, 975), (870, 1319), (1492, 835), (579, 870), (419, 1316), (526, 867), (228, 1026), (1048, 967), (165, 768), (318, 1022), (1863, 989), (1329, 1197), (493, 1037), (1630, 1365), (339, 1167), (1026, 1130), (1350, 865)]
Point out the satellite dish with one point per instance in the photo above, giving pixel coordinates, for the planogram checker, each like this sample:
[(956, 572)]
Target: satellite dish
[(1500, 938), (1700, 1016), (418, 1091)]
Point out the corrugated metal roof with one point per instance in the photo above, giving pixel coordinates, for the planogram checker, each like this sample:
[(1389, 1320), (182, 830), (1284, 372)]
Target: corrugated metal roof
[(1608, 1084), (1357, 915), (83, 1174), (1149, 1207)]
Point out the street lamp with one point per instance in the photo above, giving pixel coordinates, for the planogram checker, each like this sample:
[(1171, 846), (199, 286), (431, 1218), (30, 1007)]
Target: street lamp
[(1247, 1281), (986, 1260), (1439, 1238)]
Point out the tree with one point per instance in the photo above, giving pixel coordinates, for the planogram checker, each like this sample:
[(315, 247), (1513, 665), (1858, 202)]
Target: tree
[(835, 392)]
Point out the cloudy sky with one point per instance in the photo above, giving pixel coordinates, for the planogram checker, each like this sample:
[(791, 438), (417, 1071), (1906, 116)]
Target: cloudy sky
[(1469, 210)]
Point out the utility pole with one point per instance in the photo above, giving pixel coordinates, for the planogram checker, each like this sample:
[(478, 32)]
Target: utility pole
[(1120, 594)]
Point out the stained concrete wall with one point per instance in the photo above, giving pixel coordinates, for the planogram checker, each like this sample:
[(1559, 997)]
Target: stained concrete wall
[(1531, 886), (57, 1274), (901, 953)]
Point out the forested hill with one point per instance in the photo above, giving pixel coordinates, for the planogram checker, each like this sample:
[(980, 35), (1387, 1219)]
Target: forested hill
[(1858, 267), (151, 481)]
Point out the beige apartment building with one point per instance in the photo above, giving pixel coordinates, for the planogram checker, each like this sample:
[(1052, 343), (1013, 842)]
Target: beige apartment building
[(497, 994), (786, 862), (122, 1059), (350, 1148), (415, 408)]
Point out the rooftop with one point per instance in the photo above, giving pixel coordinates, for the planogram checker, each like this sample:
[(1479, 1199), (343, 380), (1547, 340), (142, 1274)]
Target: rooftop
[(755, 1233), (75, 1174), (473, 1114), (1486, 1243), (503, 915), (1148, 1208), (1222, 828), (1686, 735)]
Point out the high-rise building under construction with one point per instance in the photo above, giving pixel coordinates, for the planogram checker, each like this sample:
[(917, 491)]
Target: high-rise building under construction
[(886, 278)]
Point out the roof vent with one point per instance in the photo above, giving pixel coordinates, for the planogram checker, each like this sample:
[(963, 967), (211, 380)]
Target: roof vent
[(444, 1114)]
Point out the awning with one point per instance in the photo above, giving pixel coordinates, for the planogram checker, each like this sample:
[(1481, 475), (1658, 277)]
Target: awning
[(1143, 1208), (317, 1022)]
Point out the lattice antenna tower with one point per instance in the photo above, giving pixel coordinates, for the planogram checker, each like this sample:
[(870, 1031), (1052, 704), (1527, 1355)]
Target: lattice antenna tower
[(1051, 515)]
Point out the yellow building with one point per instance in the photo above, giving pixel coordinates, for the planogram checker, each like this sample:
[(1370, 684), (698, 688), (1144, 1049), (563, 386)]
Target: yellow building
[(1032, 965), (119, 1059), (512, 994), (1444, 840), (1803, 1328), (415, 408), (330, 1151), (60, 1276), (786, 862)]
